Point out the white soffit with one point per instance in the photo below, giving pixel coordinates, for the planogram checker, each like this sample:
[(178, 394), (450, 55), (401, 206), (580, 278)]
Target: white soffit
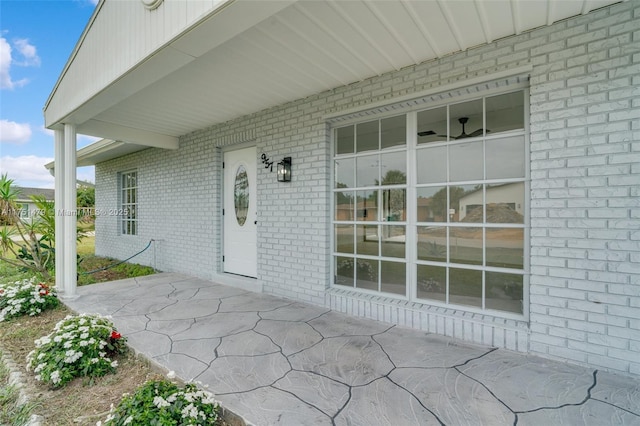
[(309, 47)]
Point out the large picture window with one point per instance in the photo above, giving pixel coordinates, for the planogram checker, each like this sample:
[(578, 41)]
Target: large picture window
[(128, 207), (430, 205)]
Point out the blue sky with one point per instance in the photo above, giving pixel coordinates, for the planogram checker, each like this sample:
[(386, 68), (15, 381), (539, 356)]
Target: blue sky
[(36, 39)]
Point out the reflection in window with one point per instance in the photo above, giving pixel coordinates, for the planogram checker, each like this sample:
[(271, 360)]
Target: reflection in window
[(393, 241), (241, 195), (505, 247), (449, 180), (367, 274), (367, 170), (394, 131), (394, 168), (345, 140), (465, 245), (465, 120), (432, 164), (505, 157), (505, 112), (367, 239), (432, 282), (344, 176), (344, 238), (394, 205), (367, 136), (367, 205), (465, 161), (432, 204), (505, 203), (393, 277), (432, 125), (504, 292), (432, 243), (344, 205), (344, 271), (465, 287)]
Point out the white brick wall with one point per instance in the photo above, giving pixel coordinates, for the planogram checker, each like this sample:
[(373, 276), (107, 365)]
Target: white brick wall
[(585, 196)]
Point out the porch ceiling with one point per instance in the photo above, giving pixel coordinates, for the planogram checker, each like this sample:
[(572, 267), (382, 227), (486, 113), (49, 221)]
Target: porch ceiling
[(304, 48)]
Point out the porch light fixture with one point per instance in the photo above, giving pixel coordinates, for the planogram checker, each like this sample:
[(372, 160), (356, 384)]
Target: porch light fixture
[(284, 170)]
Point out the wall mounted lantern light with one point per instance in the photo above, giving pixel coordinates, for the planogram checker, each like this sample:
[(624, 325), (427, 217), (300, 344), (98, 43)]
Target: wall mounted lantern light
[(284, 170)]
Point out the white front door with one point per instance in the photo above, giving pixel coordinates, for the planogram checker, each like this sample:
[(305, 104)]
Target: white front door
[(240, 215)]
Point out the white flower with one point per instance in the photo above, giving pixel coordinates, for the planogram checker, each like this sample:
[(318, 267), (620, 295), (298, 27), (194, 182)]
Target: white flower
[(160, 402), (55, 377), (114, 364), (128, 420), (171, 374), (189, 411)]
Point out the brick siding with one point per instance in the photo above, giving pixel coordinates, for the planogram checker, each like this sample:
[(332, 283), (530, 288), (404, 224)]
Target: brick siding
[(585, 196)]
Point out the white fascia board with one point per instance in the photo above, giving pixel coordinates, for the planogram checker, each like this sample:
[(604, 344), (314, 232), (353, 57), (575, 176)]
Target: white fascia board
[(102, 150), (129, 134)]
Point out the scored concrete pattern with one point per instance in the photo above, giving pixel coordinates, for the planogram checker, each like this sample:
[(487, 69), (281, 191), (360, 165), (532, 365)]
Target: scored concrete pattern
[(275, 361)]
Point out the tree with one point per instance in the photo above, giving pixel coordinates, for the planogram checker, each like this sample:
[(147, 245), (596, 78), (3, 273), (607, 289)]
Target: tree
[(439, 203), (30, 242), (86, 200), (86, 196)]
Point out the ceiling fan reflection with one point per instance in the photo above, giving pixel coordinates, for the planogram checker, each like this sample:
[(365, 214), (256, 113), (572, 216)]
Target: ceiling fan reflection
[(461, 120)]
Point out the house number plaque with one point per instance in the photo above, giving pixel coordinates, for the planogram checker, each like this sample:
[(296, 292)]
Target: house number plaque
[(268, 164)]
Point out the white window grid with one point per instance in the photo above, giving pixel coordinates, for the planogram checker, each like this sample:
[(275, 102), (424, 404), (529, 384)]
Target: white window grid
[(411, 223)]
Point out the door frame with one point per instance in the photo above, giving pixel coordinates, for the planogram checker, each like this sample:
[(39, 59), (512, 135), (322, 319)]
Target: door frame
[(223, 233)]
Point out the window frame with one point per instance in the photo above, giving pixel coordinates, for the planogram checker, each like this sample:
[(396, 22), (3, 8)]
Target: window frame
[(411, 223), (127, 212)]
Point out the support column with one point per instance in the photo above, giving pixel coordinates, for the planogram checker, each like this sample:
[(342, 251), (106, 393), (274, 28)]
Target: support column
[(70, 212), (59, 208)]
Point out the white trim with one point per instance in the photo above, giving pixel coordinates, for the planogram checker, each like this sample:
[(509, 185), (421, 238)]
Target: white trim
[(68, 243), (501, 80)]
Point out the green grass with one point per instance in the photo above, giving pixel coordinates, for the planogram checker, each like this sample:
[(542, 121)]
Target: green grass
[(86, 246), (88, 262), (9, 273)]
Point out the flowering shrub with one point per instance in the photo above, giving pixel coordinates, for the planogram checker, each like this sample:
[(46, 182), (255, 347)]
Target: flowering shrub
[(26, 298), (164, 403), (81, 345)]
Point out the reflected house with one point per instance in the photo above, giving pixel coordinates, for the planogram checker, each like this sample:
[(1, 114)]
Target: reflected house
[(448, 170), (427, 212), (509, 195)]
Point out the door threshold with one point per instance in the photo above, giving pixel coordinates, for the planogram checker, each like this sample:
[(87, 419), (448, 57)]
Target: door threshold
[(239, 281)]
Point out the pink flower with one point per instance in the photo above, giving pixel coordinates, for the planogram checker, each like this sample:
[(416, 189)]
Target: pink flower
[(115, 335)]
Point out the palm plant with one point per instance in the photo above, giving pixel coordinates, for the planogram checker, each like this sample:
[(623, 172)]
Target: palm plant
[(29, 243)]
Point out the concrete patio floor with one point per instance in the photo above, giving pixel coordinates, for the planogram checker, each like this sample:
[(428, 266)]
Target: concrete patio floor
[(274, 361)]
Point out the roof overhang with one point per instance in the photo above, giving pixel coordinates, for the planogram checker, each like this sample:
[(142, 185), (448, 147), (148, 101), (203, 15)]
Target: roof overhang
[(99, 151), (163, 73)]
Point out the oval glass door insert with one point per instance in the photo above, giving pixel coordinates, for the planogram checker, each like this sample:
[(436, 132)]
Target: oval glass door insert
[(241, 195)]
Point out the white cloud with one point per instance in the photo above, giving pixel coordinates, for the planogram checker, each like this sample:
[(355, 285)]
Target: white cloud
[(28, 52), (5, 67), (28, 57), (13, 132), (27, 170)]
